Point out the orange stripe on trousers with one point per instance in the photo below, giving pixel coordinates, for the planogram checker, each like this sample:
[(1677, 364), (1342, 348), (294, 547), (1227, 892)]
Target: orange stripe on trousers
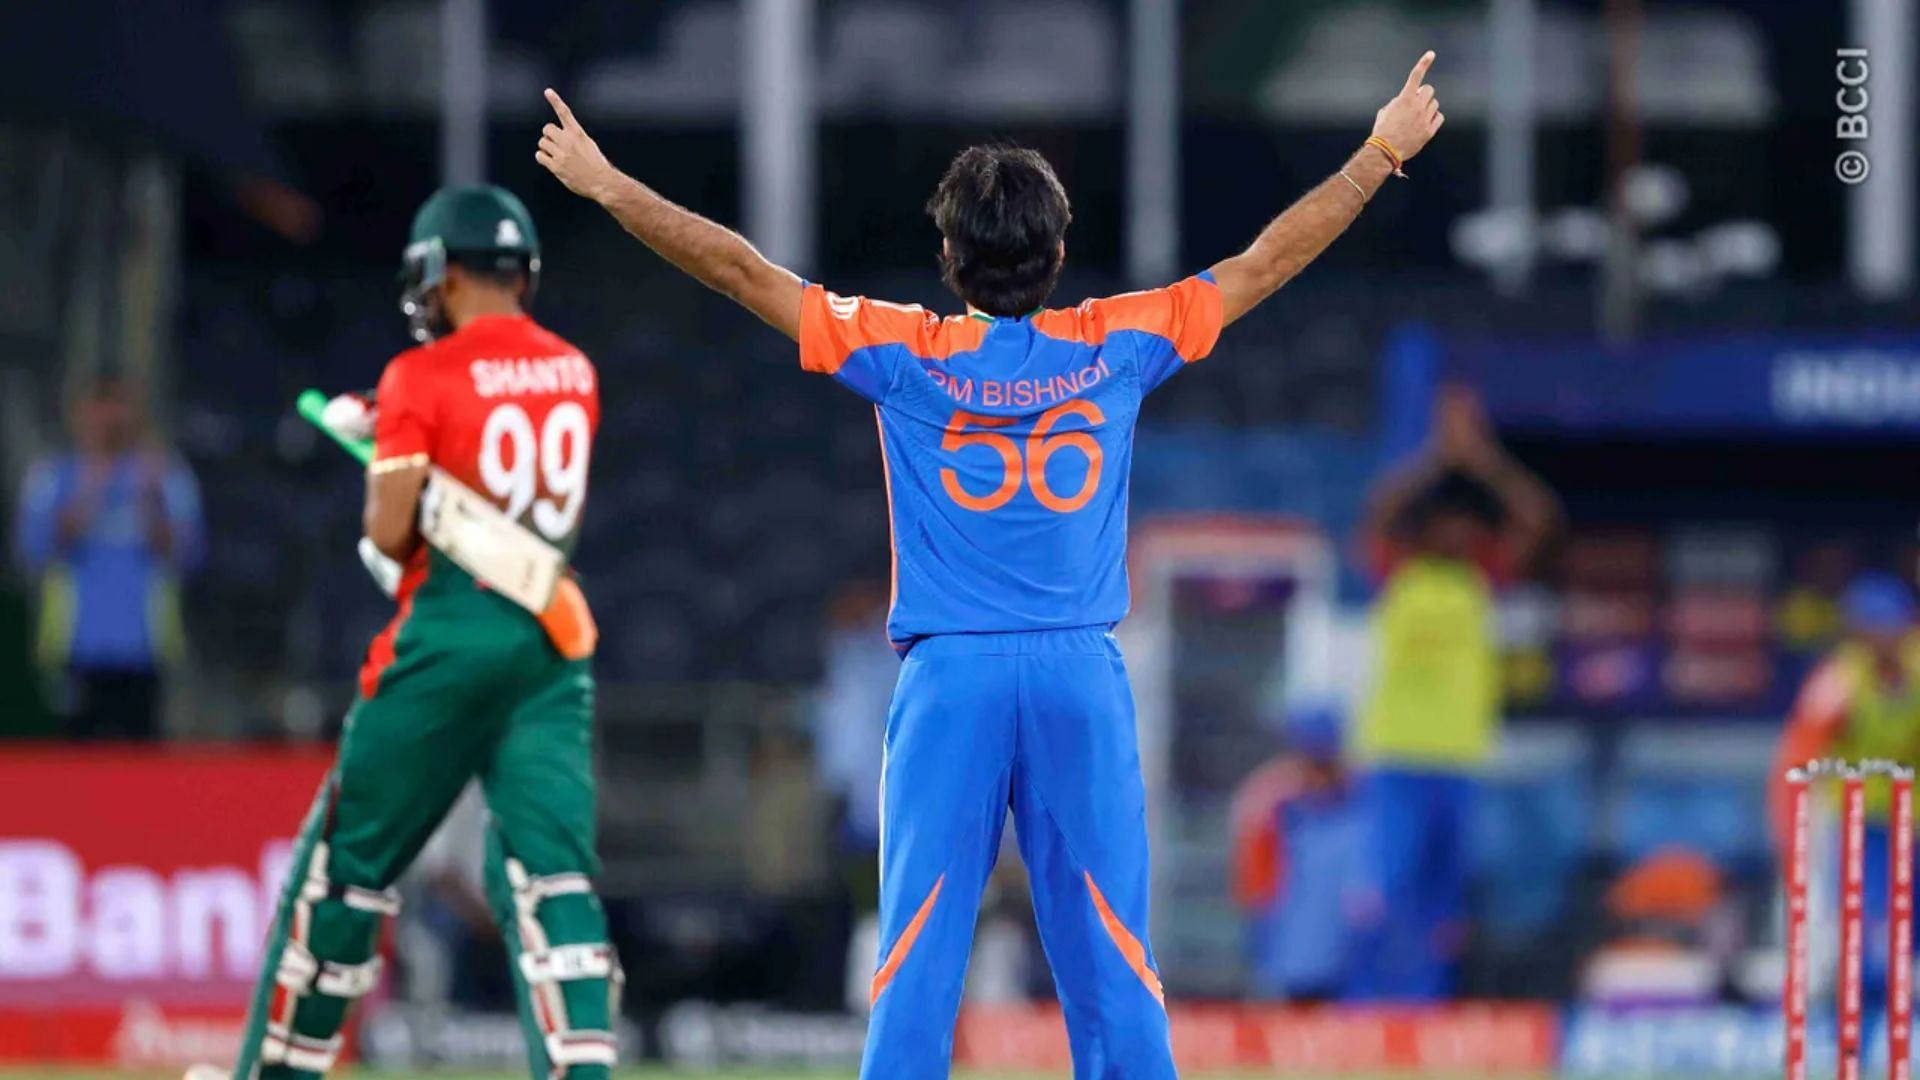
[(1128, 945), (898, 954)]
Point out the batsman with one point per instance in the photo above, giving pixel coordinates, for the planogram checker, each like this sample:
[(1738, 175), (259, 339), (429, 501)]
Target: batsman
[(481, 437)]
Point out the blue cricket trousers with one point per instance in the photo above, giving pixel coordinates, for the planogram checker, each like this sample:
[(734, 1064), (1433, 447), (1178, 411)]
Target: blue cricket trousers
[(1415, 826), (1041, 722)]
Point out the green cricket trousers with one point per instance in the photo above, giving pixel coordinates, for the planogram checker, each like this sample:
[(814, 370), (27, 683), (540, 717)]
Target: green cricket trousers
[(473, 689)]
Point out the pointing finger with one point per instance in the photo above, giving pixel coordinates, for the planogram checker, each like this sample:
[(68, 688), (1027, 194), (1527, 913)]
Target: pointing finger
[(566, 115), (1414, 77)]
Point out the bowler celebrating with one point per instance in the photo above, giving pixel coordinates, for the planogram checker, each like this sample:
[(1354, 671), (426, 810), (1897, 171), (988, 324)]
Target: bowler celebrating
[(1007, 434)]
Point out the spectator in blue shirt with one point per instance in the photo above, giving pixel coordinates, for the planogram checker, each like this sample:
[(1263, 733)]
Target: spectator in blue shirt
[(1295, 834), (850, 712), (107, 529)]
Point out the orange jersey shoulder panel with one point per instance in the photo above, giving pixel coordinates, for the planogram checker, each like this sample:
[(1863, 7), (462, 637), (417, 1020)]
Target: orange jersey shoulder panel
[(834, 327), (1187, 314)]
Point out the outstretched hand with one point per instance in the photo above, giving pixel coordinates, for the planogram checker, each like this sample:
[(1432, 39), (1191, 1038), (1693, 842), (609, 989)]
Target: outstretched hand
[(572, 156), (1463, 436), (714, 255), (1410, 120)]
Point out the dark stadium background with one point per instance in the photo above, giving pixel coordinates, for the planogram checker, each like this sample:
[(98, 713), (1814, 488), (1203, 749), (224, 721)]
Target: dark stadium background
[(213, 193)]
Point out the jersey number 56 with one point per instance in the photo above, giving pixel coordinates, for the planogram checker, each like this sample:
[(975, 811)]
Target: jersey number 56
[(1041, 445)]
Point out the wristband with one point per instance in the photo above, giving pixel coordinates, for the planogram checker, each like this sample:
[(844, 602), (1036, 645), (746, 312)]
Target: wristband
[(1393, 156)]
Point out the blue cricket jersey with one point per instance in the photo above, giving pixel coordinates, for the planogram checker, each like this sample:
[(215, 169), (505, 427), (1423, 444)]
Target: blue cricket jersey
[(1008, 446)]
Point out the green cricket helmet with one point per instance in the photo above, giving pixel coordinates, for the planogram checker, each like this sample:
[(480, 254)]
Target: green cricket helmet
[(482, 226)]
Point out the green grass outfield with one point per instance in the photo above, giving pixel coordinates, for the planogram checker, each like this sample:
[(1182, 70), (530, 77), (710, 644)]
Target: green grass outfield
[(627, 1074), (623, 1075)]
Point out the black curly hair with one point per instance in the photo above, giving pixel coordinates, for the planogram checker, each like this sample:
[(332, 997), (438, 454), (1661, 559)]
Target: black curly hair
[(1454, 493), (1003, 214)]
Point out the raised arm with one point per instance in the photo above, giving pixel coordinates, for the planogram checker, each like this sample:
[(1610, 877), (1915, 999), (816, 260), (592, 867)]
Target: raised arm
[(1469, 443), (1393, 492), (1298, 236), (1819, 713), (1532, 510), (713, 254)]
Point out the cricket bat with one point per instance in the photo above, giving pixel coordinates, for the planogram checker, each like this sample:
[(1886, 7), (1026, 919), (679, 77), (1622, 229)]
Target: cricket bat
[(469, 528)]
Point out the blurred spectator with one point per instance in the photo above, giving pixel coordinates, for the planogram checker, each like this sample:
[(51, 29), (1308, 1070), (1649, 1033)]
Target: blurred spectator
[(107, 528), (1442, 530), (1670, 934), (850, 713), (1293, 854), (850, 734), (798, 957), (786, 816), (1862, 701)]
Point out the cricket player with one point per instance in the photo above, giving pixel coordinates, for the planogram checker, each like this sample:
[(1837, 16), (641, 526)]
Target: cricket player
[(1861, 702), (463, 683), (1007, 435)]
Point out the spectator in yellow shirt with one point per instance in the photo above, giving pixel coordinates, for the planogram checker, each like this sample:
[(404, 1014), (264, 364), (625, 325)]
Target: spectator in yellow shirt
[(1443, 531)]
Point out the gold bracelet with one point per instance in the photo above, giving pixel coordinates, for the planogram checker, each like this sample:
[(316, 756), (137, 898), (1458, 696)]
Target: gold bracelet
[(1393, 156), (1356, 186)]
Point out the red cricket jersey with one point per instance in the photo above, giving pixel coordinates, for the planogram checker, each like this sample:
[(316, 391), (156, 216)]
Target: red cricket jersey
[(509, 409)]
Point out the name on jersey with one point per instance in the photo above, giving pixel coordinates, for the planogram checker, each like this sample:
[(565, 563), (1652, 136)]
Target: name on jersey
[(533, 375), (1021, 392)]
